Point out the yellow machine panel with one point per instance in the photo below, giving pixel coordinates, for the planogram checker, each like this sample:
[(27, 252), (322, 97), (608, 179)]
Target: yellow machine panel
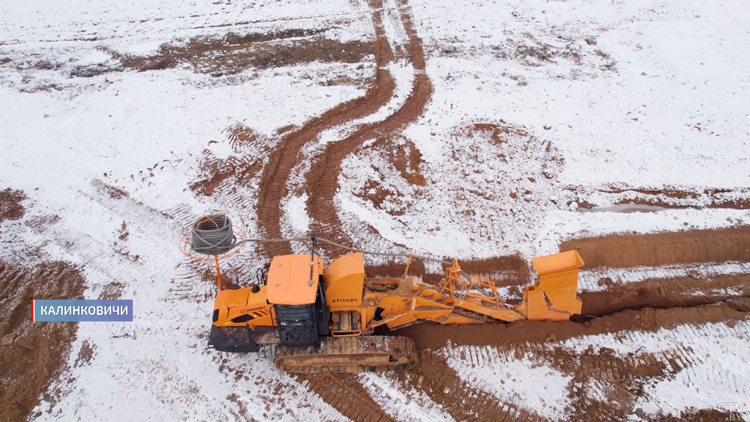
[(230, 304), (554, 296), (231, 298), (344, 280), (293, 280)]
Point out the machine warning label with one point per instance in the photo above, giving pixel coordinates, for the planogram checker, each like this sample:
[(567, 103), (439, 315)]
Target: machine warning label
[(81, 310)]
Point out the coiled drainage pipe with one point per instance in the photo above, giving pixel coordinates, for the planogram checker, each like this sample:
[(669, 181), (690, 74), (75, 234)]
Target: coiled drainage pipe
[(213, 235)]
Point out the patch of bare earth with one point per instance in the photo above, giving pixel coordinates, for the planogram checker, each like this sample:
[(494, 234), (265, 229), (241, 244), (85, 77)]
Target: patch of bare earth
[(250, 146), (534, 52), (617, 251), (403, 156), (234, 53), (461, 400), (667, 197), (33, 353), (11, 207)]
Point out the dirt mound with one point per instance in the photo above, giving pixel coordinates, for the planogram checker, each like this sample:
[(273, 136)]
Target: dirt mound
[(10, 204), (616, 251), (38, 351), (286, 156)]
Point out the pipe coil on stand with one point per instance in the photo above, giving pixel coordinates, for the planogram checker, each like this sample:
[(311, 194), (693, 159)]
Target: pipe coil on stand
[(213, 235)]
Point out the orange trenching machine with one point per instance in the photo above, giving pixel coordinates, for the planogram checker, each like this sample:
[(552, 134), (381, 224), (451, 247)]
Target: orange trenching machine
[(322, 317)]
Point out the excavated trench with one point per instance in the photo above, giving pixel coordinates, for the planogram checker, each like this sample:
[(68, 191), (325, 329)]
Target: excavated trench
[(648, 305), (669, 248), (540, 342)]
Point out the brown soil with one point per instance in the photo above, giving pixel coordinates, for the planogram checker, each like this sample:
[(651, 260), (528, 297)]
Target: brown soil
[(532, 52), (703, 415), (502, 270), (346, 394), (10, 204), (215, 171), (674, 197), (463, 402), (496, 132), (220, 57), (40, 349), (322, 179), (616, 251), (670, 293), (250, 147), (646, 319), (406, 158), (624, 377), (233, 53), (286, 156)]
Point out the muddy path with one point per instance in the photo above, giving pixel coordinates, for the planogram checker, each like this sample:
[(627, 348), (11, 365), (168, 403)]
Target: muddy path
[(322, 179), (618, 251), (281, 160)]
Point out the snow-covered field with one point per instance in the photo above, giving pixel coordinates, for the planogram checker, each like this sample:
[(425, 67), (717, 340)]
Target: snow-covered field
[(598, 95)]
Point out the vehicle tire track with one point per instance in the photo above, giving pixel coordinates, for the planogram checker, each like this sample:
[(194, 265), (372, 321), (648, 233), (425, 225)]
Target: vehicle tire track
[(466, 396), (463, 401), (322, 179), (281, 161), (347, 395)]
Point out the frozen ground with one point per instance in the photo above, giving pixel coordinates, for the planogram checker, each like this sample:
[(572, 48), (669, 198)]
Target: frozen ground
[(595, 103)]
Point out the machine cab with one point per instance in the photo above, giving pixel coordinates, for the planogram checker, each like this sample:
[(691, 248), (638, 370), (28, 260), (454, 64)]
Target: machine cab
[(298, 298)]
